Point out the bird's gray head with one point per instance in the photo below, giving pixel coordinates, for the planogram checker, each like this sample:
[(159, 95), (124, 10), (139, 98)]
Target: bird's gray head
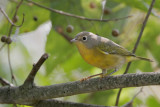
[(87, 38)]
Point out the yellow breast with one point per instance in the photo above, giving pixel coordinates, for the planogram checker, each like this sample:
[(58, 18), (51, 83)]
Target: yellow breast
[(96, 58)]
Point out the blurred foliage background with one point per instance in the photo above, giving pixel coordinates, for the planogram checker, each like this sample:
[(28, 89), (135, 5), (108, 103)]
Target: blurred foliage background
[(43, 31)]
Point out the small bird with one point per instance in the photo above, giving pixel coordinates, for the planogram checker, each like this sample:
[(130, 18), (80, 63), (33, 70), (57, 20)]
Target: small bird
[(102, 52)]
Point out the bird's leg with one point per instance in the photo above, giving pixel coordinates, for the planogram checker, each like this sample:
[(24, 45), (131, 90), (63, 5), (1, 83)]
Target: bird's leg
[(104, 73), (83, 79), (94, 75), (114, 71)]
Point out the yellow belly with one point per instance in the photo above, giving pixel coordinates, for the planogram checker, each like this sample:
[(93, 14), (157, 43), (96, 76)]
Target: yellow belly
[(99, 59)]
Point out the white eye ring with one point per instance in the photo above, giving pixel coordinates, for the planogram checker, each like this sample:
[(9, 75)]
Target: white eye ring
[(84, 38)]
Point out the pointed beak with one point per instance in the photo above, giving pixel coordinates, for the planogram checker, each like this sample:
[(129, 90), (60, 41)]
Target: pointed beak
[(73, 40)]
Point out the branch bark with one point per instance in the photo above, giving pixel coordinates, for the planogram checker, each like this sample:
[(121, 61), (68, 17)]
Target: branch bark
[(30, 96), (57, 103)]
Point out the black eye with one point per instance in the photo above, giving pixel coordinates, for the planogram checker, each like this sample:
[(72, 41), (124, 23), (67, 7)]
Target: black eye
[(84, 38)]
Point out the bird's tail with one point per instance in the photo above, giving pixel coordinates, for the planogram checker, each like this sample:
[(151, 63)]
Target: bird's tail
[(146, 59), (134, 58)]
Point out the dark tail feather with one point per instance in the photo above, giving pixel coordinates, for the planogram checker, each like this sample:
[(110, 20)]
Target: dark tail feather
[(146, 59)]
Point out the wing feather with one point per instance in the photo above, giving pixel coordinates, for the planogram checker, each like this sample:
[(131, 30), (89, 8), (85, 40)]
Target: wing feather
[(109, 47)]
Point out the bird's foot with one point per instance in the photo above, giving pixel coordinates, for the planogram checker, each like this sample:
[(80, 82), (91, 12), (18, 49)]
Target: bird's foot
[(83, 79), (103, 75)]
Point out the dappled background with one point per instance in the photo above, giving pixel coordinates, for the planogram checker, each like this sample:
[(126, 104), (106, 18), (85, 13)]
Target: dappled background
[(46, 31)]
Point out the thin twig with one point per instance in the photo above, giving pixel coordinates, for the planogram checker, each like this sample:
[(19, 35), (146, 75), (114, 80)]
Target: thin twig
[(59, 30), (36, 67), (5, 82), (76, 16), (4, 13), (129, 104), (155, 14), (9, 34), (22, 21), (2, 46), (10, 30), (118, 96), (17, 7), (10, 67), (14, 16), (153, 11), (68, 38), (9, 20), (137, 93), (136, 44)]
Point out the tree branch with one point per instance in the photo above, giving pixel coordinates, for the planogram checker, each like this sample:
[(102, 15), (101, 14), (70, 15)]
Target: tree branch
[(50, 102), (9, 20), (36, 67), (30, 96), (136, 45), (57, 103), (76, 16)]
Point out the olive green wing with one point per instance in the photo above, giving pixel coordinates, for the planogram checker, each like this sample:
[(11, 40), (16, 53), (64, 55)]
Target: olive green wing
[(109, 47)]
